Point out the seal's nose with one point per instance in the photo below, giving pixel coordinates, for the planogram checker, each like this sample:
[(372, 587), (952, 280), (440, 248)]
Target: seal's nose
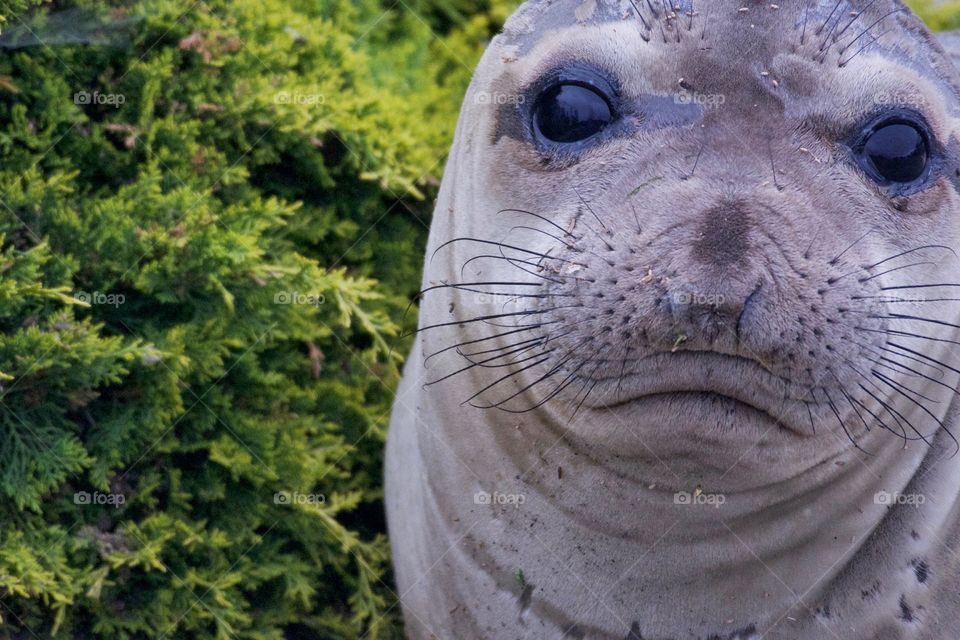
[(719, 286), (708, 315), (723, 236)]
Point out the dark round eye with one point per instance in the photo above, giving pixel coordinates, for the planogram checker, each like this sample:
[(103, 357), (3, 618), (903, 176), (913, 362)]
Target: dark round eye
[(897, 152), (569, 112)]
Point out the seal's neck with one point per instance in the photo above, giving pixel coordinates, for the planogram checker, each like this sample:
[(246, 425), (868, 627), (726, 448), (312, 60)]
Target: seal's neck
[(689, 524)]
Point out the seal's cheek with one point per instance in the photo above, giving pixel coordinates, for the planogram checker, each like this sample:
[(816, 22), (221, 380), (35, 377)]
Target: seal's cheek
[(515, 175), (939, 200)]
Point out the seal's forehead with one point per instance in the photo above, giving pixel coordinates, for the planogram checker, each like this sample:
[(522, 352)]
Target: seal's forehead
[(663, 20)]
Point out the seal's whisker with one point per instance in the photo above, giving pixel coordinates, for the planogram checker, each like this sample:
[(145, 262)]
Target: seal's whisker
[(881, 422), (636, 217), (907, 334), (879, 361), (899, 367), (588, 391), (510, 349), (585, 396), (924, 356), (843, 63), (540, 217), (836, 412), (896, 415), (516, 262), (538, 341), (893, 414), (499, 325), (458, 285), (856, 17), (876, 387), (850, 401), (492, 337), (449, 375), (546, 233), (917, 360), (590, 209), (502, 246), (455, 323), (482, 363), (893, 300), (636, 10), (549, 374), (900, 391), (843, 49), (502, 379), (905, 316), (828, 19), (921, 286), (556, 369), (518, 296), (485, 365), (836, 259), (902, 386), (883, 273), (826, 43), (773, 167), (909, 251)]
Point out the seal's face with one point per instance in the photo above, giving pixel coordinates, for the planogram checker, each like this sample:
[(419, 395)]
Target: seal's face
[(727, 216)]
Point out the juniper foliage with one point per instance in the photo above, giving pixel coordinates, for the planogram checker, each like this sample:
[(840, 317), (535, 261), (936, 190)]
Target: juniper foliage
[(212, 218)]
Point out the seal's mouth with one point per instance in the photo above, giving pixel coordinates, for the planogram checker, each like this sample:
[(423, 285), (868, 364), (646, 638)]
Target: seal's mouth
[(708, 382)]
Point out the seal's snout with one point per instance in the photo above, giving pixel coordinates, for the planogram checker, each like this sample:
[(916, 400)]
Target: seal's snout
[(707, 317), (710, 296)]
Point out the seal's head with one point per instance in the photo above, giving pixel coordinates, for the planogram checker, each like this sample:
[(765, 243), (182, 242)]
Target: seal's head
[(720, 218)]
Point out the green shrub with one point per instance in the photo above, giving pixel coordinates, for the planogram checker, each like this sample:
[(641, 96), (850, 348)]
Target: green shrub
[(211, 226), (942, 15)]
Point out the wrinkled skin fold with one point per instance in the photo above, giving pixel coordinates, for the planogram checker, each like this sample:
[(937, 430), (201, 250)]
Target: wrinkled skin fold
[(694, 377)]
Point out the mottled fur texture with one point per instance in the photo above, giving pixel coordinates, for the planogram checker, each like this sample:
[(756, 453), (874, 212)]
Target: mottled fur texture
[(695, 380)]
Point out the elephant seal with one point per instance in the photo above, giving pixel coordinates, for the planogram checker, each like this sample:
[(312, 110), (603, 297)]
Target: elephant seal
[(688, 349)]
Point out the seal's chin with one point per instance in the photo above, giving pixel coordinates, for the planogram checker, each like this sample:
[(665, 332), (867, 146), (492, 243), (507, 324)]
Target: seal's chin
[(711, 388)]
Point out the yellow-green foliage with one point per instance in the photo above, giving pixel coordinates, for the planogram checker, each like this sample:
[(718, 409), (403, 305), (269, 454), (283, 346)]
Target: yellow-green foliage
[(941, 15), (212, 218)]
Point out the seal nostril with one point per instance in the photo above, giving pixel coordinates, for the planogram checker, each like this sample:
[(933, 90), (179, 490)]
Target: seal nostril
[(748, 306)]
